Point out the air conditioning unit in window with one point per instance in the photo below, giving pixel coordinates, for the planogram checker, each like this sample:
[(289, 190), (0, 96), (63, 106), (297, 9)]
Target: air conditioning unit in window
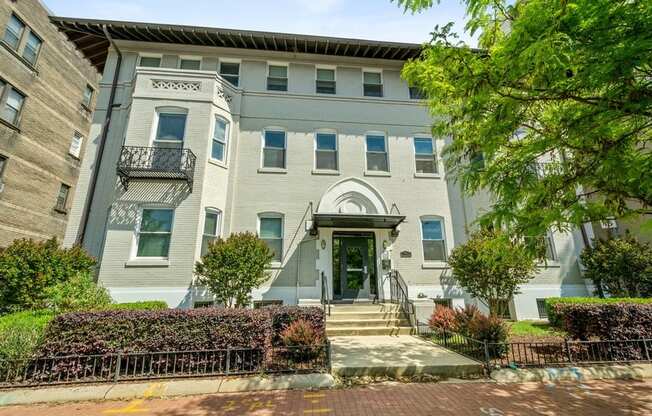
[(609, 224)]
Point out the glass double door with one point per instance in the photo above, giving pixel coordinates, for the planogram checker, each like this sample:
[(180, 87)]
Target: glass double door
[(354, 266)]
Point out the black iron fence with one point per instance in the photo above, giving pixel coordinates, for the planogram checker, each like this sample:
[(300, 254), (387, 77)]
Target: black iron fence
[(541, 354), (171, 364), (398, 291)]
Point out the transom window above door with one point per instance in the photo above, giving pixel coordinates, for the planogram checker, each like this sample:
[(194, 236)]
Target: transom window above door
[(274, 142), (432, 234), (424, 154), (170, 130), (377, 153), (326, 151)]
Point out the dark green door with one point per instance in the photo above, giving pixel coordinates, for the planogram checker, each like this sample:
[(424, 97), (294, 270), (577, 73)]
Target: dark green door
[(354, 268)]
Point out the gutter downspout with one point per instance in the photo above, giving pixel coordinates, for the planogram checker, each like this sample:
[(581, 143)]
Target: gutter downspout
[(100, 152)]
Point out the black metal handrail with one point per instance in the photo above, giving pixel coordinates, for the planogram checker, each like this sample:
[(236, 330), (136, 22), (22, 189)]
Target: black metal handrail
[(325, 294), (156, 163), (399, 294)]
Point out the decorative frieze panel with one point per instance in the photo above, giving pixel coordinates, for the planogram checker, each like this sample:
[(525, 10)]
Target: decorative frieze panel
[(222, 94), (175, 85)]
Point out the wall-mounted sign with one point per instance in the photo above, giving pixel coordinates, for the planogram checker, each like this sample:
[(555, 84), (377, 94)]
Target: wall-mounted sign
[(406, 254)]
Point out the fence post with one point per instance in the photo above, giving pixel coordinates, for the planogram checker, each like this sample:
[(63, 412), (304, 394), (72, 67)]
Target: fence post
[(568, 351), (445, 341), (117, 366), (228, 360), (487, 358), (647, 351)]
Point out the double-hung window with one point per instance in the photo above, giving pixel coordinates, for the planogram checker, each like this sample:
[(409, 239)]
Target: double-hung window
[(432, 234), (3, 164), (76, 144), (372, 84), (325, 83), (220, 137), (14, 32), (22, 39), (170, 130), (377, 153), (211, 229), (230, 71), (11, 103), (190, 63), (277, 78), (274, 142), (32, 47), (416, 93), (62, 198), (150, 61), (325, 151), (155, 232), (271, 232), (88, 96), (424, 155)]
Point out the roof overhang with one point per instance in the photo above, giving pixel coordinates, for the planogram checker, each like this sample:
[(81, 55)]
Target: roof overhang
[(357, 221), (88, 36)]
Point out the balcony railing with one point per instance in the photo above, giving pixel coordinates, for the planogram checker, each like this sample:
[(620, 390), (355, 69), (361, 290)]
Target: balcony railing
[(137, 162)]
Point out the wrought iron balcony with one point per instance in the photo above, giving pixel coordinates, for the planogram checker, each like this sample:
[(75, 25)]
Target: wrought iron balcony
[(137, 162)]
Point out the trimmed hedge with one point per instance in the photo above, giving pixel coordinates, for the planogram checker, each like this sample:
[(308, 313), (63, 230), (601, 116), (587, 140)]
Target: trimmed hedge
[(171, 330), (555, 306), (150, 305), (608, 321)]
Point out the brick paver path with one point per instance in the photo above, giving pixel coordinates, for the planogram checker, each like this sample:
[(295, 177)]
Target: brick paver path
[(576, 399)]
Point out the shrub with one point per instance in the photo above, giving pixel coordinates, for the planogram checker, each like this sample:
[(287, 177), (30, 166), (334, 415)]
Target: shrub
[(148, 305), (492, 330), (608, 321), (283, 316), (21, 333), (28, 267), (464, 316), (443, 319), (233, 267), (555, 306), (79, 293), (303, 340)]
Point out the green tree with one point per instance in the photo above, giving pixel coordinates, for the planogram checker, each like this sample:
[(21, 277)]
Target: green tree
[(28, 267), (79, 293), (491, 266), (233, 267), (620, 266), (569, 81)]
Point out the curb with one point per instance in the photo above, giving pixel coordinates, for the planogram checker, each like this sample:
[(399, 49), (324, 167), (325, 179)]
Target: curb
[(610, 372), (163, 388)]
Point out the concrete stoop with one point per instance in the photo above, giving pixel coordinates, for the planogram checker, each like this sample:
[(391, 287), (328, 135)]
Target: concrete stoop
[(367, 319)]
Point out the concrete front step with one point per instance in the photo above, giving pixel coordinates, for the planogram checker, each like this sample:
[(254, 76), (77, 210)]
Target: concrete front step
[(360, 323), (365, 307), (362, 316), (369, 330)]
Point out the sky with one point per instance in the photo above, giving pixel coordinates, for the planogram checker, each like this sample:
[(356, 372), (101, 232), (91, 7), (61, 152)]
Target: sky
[(364, 19)]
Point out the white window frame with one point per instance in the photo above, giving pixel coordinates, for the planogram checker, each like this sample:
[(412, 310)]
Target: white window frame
[(150, 55), (443, 236), (190, 58), (329, 67), (227, 141), (366, 164), (272, 214), (136, 239), (287, 76), (218, 226), (77, 154), (337, 151), (168, 110), (434, 153), (262, 150), (231, 61), (382, 82)]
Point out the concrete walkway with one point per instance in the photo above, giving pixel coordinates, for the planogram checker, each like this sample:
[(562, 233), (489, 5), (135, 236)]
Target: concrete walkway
[(396, 356)]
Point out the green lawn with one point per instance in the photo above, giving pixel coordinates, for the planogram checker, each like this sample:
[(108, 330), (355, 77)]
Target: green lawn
[(534, 329)]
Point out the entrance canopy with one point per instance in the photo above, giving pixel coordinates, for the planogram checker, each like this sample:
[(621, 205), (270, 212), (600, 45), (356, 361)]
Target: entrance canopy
[(357, 220)]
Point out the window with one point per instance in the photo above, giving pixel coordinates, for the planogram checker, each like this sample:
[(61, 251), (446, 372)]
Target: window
[(416, 93), (271, 232), (551, 253), (325, 83), (171, 129), (150, 61), (268, 302), (432, 232), (32, 47), (88, 96), (211, 229), (203, 304), (230, 71), (477, 160), (326, 151), (3, 164), (76, 144), (190, 63), (377, 153), (424, 154), (541, 308), (274, 149), (218, 150), (62, 198), (447, 302), (154, 232), (372, 84), (14, 32), (11, 102), (277, 78)]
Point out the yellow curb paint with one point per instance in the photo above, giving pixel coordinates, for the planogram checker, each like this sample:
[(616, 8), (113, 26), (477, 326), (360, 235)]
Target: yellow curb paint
[(317, 411), (312, 395), (155, 389)]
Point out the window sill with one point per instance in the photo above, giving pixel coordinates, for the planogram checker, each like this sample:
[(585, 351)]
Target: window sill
[(86, 108), (377, 173), (144, 262), (435, 265), (61, 211), (427, 175), (272, 170), (10, 125), (218, 163), (24, 61), (325, 172)]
